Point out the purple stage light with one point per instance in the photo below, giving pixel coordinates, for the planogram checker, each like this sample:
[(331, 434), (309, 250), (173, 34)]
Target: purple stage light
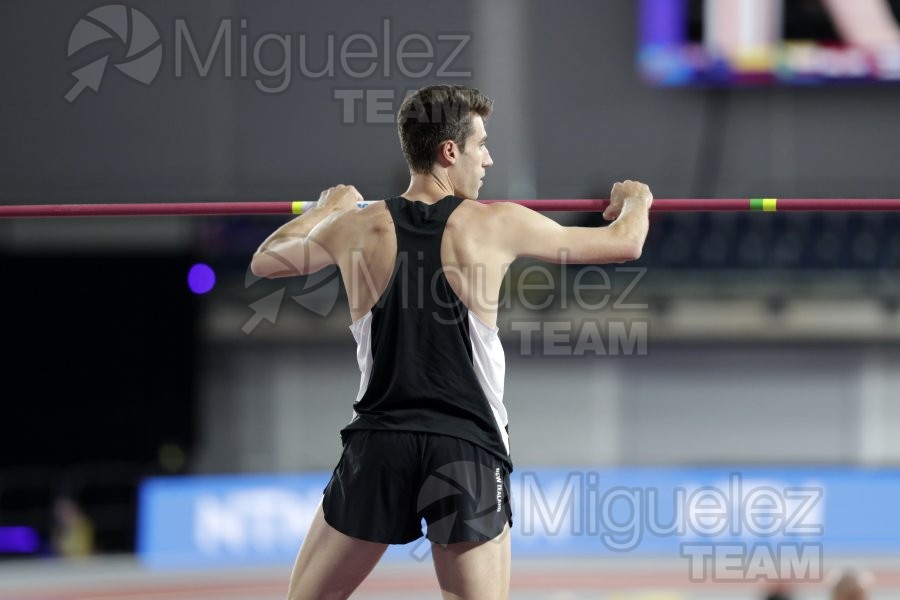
[(19, 540), (201, 278)]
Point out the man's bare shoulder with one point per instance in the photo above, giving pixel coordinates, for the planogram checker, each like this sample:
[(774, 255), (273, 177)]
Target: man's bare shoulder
[(489, 216), (373, 218)]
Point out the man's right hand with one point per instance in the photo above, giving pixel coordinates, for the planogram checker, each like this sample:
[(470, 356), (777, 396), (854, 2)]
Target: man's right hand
[(626, 191), (339, 198)]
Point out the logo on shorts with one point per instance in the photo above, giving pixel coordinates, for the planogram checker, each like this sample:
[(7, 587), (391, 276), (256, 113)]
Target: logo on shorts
[(459, 495), (499, 479)]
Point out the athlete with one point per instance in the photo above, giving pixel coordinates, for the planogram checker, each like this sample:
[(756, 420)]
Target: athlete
[(423, 272)]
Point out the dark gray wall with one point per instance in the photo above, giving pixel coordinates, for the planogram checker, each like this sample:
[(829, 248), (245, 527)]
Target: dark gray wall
[(193, 137), (575, 100)]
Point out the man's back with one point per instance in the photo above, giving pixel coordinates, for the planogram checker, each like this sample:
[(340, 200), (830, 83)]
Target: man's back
[(428, 363), (364, 246)]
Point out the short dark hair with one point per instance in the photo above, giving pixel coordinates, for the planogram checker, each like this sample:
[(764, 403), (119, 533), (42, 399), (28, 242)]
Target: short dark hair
[(434, 115)]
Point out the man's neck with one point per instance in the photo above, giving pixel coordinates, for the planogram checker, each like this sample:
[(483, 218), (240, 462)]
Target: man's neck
[(428, 187)]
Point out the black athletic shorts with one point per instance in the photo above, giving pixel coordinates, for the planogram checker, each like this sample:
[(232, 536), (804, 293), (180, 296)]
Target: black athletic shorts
[(388, 481)]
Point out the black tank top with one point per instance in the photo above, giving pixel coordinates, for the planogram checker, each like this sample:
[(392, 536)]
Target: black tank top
[(427, 363)]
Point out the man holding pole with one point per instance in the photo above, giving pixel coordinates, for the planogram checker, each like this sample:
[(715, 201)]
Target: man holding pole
[(423, 272)]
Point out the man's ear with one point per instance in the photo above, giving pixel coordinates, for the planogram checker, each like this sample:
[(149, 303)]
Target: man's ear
[(448, 153)]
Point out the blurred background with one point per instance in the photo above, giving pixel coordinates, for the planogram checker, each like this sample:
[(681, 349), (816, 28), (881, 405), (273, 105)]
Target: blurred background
[(147, 371)]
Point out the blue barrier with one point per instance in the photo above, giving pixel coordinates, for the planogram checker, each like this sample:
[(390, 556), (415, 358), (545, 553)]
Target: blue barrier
[(262, 519)]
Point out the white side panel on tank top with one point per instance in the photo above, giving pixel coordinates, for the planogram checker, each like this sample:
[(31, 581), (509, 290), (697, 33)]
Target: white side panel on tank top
[(490, 368), (362, 333)]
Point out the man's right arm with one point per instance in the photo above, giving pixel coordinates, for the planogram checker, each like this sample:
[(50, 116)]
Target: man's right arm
[(303, 245), (525, 232)]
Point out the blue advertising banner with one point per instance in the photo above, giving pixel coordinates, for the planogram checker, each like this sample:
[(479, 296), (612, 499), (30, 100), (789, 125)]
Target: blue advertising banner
[(767, 516)]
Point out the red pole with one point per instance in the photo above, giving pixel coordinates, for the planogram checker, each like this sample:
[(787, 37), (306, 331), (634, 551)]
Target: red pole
[(549, 205), (147, 209)]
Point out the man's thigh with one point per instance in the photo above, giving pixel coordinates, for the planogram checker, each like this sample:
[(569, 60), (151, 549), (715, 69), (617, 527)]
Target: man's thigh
[(330, 564), (474, 570)]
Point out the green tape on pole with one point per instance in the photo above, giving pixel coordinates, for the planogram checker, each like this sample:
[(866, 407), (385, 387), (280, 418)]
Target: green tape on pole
[(756, 203)]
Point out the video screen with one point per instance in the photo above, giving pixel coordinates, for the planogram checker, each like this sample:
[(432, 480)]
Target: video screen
[(769, 42)]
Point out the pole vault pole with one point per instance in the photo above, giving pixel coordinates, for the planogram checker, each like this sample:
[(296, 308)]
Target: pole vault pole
[(297, 207)]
